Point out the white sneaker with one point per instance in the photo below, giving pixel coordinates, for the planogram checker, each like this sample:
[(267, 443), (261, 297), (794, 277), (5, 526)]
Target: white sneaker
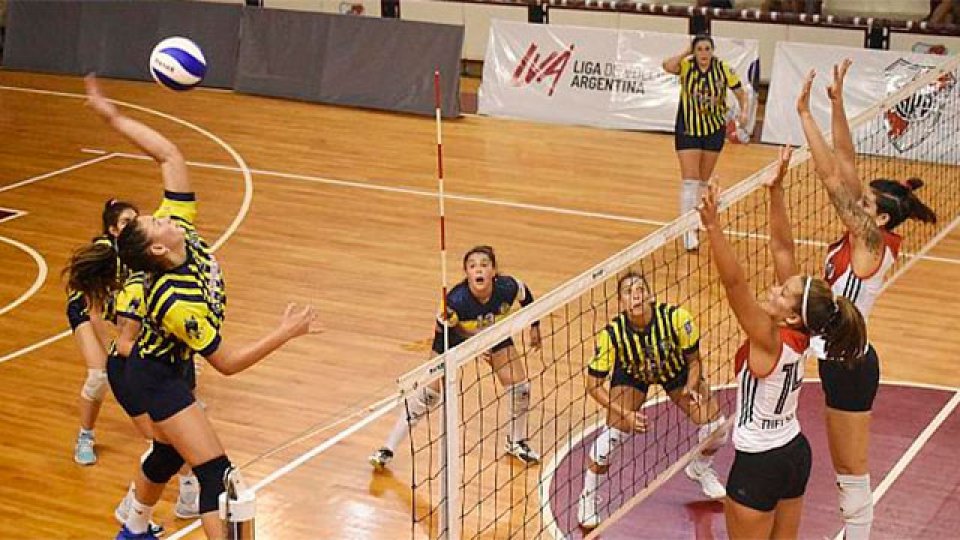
[(120, 513), (83, 452), (691, 241), (587, 514), (708, 480), (188, 505), (522, 451)]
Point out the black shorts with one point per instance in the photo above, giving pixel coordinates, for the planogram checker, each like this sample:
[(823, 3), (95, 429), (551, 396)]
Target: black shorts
[(622, 378), (163, 388), (130, 401), (712, 142), (77, 311), (760, 480), (851, 389)]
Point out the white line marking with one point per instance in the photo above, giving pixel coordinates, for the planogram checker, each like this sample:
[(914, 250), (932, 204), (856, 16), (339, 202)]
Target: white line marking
[(14, 214), (391, 402), (44, 176), (35, 346), (911, 453), (41, 273), (484, 200)]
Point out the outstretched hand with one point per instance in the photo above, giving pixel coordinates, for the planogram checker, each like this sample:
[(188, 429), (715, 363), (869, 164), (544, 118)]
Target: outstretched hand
[(783, 164), (96, 100), (835, 90), (297, 321), (708, 205), (803, 100)]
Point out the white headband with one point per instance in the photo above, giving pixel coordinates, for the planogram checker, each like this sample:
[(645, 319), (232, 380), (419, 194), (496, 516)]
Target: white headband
[(803, 305)]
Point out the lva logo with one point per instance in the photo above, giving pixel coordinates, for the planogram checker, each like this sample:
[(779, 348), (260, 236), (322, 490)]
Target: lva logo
[(914, 118), (534, 69)]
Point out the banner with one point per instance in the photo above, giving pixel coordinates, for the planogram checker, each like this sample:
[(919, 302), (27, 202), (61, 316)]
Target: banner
[(873, 76), (593, 76)]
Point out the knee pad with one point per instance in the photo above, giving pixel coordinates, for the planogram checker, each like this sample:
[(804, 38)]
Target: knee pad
[(720, 424), (690, 191), (424, 400), (606, 443), (95, 387), (856, 498), (519, 398), (211, 477), (163, 462)]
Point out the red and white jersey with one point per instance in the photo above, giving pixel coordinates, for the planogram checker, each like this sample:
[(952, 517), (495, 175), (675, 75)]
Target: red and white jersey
[(766, 416), (864, 290)]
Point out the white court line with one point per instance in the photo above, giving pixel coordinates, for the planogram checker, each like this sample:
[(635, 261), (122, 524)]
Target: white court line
[(35, 346), (498, 202), (14, 214), (307, 456), (44, 176), (41, 273), (911, 452)]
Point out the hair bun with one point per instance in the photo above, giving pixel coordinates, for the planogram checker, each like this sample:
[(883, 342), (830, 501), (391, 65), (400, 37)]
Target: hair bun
[(912, 183)]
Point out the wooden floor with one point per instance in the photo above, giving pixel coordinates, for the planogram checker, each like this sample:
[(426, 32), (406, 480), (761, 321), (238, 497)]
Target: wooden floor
[(362, 250)]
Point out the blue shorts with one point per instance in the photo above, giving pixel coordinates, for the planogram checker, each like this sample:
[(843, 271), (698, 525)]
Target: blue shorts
[(77, 311), (712, 142), (161, 389), (622, 378)]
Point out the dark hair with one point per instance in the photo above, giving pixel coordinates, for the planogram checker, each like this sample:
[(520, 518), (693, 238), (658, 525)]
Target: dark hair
[(630, 275), (897, 200), (111, 213), (134, 249), (92, 270), (835, 318), (701, 37), (486, 250)]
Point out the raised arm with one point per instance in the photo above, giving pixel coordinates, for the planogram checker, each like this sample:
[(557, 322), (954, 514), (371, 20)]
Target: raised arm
[(864, 229), (759, 327), (844, 151), (173, 168), (672, 65), (781, 236)]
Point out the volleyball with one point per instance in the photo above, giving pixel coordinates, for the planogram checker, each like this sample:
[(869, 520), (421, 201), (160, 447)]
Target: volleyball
[(177, 63)]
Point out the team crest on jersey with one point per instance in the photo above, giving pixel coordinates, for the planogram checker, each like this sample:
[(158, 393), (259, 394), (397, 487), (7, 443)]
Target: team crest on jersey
[(192, 327), (828, 270), (914, 118), (688, 328)]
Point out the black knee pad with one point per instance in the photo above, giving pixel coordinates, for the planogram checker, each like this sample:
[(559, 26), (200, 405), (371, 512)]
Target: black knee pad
[(163, 462), (210, 475)]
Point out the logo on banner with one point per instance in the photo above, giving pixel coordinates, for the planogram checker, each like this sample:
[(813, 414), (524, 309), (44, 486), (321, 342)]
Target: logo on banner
[(532, 69), (913, 119)]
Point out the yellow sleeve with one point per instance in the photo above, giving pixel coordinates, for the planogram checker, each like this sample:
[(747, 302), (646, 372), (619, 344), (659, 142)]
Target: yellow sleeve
[(685, 64), (188, 321), (686, 330), (130, 302), (733, 81), (178, 205), (604, 356)]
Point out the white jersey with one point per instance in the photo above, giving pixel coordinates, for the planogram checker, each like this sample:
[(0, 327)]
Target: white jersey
[(766, 416), (863, 291)]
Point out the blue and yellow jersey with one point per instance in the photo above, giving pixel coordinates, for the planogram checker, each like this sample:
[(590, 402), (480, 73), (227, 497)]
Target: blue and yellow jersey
[(184, 306), (130, 303), (653, 354), (703, 96), (77, 304), (466, 316)]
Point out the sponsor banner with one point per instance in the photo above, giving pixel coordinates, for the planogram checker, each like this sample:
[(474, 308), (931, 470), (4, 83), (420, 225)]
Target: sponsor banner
[(901, 131), (593, 76)]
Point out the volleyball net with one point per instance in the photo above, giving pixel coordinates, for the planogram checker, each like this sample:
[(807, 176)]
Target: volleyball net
[(464, 483)]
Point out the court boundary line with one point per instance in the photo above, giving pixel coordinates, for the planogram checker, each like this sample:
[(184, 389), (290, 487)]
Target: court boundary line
[(33, 179), (38, 281), (14, 214), (546, 476), (231, 229), (509, 204)]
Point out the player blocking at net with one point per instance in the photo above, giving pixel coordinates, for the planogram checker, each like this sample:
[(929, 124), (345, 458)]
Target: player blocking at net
[(648, 343), (483, 298)]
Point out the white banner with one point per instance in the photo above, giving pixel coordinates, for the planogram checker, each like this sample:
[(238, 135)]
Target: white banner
[(874, 75), (594, 76)]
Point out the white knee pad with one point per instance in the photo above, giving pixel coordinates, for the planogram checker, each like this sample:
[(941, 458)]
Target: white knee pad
[(690, 194), (95, 387), (424, 400), (856, 499), (720, 424), (519, 398), (606, 443)]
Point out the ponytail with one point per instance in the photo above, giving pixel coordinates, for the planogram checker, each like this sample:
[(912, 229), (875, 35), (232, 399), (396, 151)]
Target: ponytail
[(92, 270), (900, 203), (836, 319)]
